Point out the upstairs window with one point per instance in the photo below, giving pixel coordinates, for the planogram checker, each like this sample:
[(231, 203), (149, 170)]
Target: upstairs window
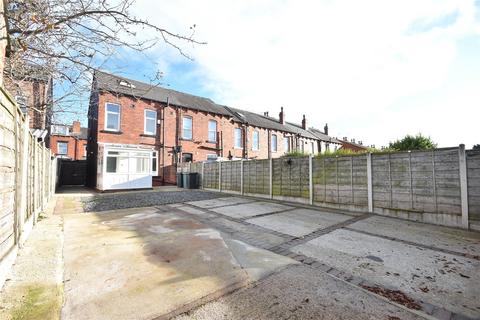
[(112, 117), (150, 126), (62, 148), (212, 131), (274, 143), (286, 144), (238, 138), (187, 128), (256, 140)]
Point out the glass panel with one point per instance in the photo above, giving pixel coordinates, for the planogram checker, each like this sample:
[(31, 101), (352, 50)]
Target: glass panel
[(112, 121), (150, 114), (111, 164), (141, 154), (187, 128), (238, 138), (187, 157), (274, 143), (255, 140), (154, 164), (62, 147), (122, 165), (286, 144), (212, 131), (113, 108), (150, 126), (212, 157)]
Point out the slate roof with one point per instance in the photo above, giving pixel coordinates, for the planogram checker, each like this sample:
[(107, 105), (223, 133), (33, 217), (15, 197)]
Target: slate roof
[(322, 136), (109, 82)]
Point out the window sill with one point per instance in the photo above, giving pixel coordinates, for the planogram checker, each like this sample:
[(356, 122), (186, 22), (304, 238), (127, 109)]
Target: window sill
[(185, 139), (148, 135), (111, 131)]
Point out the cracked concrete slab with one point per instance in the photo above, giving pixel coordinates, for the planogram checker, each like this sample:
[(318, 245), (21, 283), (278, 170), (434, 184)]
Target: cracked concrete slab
[(247, 210), (144, 263), (299, 222), (299, 292), (441, 279), (429, 235)]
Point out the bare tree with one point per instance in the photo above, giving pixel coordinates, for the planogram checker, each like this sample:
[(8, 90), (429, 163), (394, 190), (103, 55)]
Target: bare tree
[(66, 40)]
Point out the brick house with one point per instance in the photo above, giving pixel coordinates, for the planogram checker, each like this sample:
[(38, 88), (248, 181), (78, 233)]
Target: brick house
[(69, 142), (139, 132)]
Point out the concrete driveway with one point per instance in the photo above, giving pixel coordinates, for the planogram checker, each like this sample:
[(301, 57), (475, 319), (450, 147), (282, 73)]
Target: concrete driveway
[(211, 256)]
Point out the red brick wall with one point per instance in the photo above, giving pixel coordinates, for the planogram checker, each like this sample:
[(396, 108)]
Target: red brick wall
[(78, 144), (132, 132)]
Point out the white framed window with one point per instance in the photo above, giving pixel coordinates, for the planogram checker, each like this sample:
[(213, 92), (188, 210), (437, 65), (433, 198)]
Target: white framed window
[(286, 144), (154, 162), (150, 125), (212, 157), (212, 131), (187, 128), (62, 148), (256, 140), (59, 129), (313, 147), (238, 138), (112, 117), (274, 143)]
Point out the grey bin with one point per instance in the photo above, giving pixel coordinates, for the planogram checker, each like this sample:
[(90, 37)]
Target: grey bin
[(190, 180), (179, 180)]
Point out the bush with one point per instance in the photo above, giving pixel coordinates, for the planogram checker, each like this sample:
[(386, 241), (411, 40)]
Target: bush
[(417, 142)]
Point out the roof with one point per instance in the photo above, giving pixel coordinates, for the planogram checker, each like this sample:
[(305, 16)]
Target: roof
[(113, 83), (82, 135), (322, 136), (39, 133)]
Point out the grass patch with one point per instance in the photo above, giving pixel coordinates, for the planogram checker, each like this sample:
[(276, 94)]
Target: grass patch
[(39, 302)]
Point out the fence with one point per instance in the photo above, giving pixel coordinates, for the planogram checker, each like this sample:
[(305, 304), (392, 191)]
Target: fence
[(27, 180), (440, 186)]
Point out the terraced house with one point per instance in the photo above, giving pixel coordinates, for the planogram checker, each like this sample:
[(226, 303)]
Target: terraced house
[(138, 133)]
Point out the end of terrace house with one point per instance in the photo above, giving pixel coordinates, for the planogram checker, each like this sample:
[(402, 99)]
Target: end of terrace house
[(139, 132)]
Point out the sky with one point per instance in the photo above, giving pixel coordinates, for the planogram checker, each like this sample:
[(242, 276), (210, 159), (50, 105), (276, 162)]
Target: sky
[(373, 70)]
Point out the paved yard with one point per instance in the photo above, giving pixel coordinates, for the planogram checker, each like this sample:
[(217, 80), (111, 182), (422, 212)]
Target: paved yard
[(199, 255)]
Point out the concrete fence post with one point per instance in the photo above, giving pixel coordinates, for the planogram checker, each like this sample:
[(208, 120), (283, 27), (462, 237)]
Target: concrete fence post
[(24, 169), (310, 178), (220, 176), (270, 178), (462, 164), (369, 182), (202, 177), (241, 177)]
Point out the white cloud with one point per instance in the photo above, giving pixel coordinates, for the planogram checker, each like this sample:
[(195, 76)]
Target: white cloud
[(359, 65)]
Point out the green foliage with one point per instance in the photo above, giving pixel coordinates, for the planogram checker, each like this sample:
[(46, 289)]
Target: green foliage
[(417, 142), (476, 147)]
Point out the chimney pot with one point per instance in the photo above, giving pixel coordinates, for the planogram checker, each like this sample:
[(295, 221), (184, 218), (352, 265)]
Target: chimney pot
[(325, 129), (304, 123), (281, 116)]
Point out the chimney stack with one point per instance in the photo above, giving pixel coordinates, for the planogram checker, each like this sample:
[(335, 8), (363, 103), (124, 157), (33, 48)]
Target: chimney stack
[(325, 129), (265, 113), (304, 123), (76, 127), (281, 116)]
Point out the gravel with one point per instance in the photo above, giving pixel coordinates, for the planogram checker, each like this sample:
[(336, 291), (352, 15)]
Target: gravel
[(145, 199)]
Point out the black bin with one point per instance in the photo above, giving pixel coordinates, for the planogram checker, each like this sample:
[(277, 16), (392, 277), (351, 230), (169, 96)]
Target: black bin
[(179, 180), (190, 180)]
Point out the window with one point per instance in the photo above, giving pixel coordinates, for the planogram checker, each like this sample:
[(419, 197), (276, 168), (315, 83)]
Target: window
[(238, 138), (141, 165), (112, 117), (59, 129), (187, 157), (302, 146), (187, 128), (274, 143), (116, 164), (154, 162), (313, 147), (62, 148), (212, 157), (256, 140), (85, 151), (286, 144), (212, 131), (150, 122)]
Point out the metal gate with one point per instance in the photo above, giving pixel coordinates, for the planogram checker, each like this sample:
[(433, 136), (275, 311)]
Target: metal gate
[(73, 172)]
